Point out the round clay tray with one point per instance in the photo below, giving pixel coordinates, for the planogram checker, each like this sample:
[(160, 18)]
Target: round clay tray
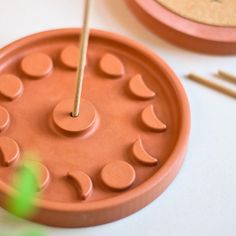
[(184, 32), (123, 150)]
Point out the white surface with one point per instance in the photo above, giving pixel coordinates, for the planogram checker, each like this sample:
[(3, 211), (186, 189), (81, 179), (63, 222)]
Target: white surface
[(202, 199)]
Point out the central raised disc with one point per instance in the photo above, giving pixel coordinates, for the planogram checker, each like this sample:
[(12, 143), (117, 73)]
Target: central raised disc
[(69, 125)]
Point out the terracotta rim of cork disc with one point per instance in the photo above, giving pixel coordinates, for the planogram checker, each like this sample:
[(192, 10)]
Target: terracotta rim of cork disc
[(182, 31), (108, 210)]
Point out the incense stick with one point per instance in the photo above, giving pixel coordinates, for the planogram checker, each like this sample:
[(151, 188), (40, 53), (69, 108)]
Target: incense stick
[(212, 85), (84, 38), (227, 76)]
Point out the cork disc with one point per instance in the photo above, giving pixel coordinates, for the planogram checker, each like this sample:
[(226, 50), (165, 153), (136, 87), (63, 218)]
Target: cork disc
[(212, 12), (121, 152), (207, 26)]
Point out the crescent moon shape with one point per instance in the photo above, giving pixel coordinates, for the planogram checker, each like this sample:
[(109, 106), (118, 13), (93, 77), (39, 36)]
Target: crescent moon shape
[(82, 183), (141, 155), (138, 88), (4, 119), (9, 151), (150, 120), (44, 176), (111, 65)]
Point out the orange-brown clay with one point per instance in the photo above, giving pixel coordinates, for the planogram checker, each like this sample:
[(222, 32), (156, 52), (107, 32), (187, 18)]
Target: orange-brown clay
[(43, 175), (111, 65), (139, 89), (4, 119), (37, 65), (141, 155), (82, 183), (118, 175), (11, 86), (62, 117), (69, 57), (9, 151), (89, 173), (151, 121)]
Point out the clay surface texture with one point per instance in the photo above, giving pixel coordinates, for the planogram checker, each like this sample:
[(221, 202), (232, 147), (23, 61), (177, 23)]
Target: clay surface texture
[(121, 152)]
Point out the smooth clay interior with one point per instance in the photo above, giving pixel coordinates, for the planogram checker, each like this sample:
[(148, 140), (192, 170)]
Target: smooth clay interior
[(128, 134)]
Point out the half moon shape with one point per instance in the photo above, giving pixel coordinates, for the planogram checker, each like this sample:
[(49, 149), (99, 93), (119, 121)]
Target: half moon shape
[(139, 89), (141, 155), (82, 183), (151, 121)]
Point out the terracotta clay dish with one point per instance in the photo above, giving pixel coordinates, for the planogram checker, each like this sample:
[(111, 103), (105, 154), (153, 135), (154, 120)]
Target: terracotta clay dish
[(205, 25), (123, 150)]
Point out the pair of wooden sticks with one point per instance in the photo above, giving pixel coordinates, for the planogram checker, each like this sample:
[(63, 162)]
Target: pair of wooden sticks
[(214, 85)]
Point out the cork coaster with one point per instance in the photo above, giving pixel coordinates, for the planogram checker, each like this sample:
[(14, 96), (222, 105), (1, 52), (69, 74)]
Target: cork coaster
[(204, 26), (212, 12)]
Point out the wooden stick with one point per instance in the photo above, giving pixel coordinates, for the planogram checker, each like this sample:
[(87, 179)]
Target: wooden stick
[(212, 85), (227, 76), (84, 38)]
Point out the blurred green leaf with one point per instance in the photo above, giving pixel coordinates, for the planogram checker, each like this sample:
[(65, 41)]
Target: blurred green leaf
[(25, 183)]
